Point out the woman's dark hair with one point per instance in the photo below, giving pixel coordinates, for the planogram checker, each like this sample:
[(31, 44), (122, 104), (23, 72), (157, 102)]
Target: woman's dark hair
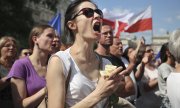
[(69, 14), (163, 50), (125, 53)]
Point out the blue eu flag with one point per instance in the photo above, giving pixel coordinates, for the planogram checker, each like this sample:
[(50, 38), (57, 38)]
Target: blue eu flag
[(56, 23)]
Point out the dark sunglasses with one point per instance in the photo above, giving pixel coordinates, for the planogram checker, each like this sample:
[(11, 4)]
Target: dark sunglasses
[(88, 12), (149, 50)]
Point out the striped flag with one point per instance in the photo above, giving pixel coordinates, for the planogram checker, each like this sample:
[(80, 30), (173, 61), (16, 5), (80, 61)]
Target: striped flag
[(132, 22), (140, 22)]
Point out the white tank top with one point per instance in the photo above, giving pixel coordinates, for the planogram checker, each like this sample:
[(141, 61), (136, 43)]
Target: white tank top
[(79, 85)]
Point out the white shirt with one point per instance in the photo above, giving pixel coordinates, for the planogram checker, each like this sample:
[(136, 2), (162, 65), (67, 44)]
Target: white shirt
[(148, 99), (79, 85), (173, 89), (164, 71)]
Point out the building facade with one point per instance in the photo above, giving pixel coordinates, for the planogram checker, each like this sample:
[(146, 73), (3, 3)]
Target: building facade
[(157, 42)]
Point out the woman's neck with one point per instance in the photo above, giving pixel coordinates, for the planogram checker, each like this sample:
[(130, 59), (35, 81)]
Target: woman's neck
[(84, 51), (39, 57)]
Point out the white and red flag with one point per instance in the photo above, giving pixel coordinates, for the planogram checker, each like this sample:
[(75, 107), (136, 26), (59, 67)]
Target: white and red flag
[(140, 22), (131, 22)]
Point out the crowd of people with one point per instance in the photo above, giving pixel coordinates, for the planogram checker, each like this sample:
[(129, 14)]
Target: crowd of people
[(49, 74)]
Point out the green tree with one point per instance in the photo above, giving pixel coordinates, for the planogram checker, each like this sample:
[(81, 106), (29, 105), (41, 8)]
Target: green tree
[(15, 19), (51, 4)]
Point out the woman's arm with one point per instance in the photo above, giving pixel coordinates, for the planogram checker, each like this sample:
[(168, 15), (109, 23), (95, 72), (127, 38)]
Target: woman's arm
[(132, 57), (128, 88), (106, 86), (19, 95), (56, 86), (55, 83), (3, 83), (153, 83), (140, 70), (130, 67)]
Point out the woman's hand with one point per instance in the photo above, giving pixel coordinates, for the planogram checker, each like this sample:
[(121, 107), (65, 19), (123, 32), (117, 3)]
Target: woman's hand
[(145, 60), (109, 84), (132, 56)]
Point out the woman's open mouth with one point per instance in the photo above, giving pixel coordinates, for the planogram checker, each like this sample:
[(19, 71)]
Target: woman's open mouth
[(97, 27)]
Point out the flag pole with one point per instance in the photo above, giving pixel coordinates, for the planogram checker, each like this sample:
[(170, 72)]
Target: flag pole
[(152, 31)]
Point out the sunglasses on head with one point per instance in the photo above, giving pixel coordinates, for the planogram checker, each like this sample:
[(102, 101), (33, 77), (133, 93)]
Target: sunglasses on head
[(88, 12)]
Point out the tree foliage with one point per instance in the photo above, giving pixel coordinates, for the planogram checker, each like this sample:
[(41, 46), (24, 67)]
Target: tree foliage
[(16, 18), (51, 4)]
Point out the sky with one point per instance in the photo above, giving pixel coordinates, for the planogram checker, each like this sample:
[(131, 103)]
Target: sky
[(165, 13)]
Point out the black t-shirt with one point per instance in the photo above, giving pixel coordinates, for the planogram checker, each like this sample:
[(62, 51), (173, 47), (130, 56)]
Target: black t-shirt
[(117, 61), (114, 60)]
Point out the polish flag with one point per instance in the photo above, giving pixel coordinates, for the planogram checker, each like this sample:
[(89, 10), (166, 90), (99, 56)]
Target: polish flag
[(120, 23), (140, 22), (131, 22), (119, 27), (116, 25)]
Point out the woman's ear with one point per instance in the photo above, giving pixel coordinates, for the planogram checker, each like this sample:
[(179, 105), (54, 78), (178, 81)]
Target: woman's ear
[(71, 25), (34, 39)]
